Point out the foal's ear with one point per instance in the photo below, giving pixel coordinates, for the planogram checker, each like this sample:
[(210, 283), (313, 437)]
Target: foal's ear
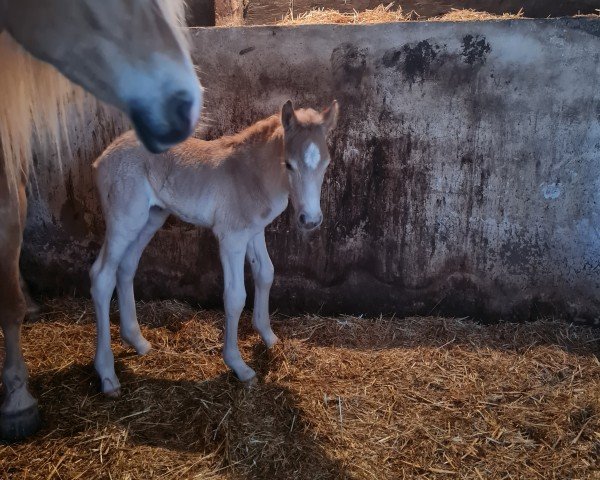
[(330, 115), (288, 117)]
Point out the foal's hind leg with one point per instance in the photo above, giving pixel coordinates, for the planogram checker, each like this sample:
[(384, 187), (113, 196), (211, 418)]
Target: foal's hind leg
[(130, 328), (262, 272), (19, 415), (232, 249)]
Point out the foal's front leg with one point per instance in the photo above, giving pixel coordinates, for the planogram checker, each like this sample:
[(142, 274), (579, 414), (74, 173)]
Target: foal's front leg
[(262, 272), (232, 250)]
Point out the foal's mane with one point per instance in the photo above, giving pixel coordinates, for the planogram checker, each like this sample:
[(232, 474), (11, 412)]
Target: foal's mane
[(259, 132)]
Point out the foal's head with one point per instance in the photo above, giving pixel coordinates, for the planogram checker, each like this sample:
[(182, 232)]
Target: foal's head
[(129, 53), (307, 158)]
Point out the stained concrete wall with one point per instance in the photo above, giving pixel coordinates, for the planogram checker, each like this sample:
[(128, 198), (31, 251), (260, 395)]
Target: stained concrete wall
[(465, 177)]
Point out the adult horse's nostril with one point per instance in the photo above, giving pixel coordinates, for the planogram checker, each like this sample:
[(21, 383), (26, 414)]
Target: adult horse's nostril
[(302, 219), (175, 122), (179, 108)]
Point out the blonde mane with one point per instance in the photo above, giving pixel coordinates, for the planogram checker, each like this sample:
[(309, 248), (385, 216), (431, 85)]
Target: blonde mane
[(39, 106)]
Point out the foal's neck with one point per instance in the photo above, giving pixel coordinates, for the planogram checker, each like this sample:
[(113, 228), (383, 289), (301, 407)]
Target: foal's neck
[(264, 141)]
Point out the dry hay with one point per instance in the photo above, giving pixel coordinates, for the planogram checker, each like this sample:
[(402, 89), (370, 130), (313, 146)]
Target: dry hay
[(340, 398), (387, 14), (379, 14), (470, 15), (594, 16)]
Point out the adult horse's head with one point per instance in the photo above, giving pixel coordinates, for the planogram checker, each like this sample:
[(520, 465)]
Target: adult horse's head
[(129, 53), (307, 159)]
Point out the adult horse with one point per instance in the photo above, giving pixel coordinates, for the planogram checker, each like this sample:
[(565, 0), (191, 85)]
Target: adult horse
[(129, 53)]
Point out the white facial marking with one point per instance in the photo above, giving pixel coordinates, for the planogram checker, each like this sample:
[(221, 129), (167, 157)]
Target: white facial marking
[(312, 156)]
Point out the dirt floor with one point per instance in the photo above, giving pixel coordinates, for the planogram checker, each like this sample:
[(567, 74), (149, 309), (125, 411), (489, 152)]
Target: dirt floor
[(339, 398)]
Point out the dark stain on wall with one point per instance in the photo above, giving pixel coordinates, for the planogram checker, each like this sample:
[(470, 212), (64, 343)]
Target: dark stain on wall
[(475, 49), (414, 60), (349, 67)]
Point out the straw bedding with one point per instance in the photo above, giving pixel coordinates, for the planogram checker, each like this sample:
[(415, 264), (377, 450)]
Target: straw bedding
[(340, 397), (388, 14)]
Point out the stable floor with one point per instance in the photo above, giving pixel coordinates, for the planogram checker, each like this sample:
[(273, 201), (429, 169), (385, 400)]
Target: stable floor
[(341, 397)]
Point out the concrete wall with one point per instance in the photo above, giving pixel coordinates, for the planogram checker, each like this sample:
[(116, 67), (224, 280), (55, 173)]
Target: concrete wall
[(465, 177)]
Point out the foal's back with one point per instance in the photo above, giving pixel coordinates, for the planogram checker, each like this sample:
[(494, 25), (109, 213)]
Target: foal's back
[(202, 182)]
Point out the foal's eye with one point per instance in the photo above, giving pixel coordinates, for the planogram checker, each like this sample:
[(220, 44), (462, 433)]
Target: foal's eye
[(288, 165)]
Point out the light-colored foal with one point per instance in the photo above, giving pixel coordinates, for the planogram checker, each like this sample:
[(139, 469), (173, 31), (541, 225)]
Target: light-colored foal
[(235, 186)]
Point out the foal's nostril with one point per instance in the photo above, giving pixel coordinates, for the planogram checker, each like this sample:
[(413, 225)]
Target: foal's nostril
[(309, 223)]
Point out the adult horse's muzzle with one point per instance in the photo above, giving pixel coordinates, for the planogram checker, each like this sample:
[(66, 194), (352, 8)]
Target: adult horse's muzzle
[(179, 118)]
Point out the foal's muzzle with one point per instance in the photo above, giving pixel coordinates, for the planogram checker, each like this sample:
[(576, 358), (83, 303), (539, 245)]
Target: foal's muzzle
[(310, 222)]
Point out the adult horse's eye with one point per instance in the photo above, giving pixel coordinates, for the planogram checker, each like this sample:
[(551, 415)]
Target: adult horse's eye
[(288, 165)]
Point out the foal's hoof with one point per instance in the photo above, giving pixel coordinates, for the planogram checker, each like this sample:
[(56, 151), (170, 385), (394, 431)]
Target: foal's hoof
[(251, 382), (246, 375), (20, 425), (141, 346), (110, 389), (271, 341)]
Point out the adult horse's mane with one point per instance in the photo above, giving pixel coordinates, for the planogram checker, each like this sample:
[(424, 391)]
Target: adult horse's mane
[(37, 103)]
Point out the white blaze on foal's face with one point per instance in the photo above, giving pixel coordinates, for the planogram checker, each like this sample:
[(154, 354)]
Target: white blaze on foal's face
[(312, 156), (307, 158)]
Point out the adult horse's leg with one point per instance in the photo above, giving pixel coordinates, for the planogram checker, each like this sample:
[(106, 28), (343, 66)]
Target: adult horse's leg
[(262, 272), (232, 249), (32, 307), (19, 415), (130, 328)]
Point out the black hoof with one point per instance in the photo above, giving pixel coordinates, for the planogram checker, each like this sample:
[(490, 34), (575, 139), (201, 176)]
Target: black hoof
[(20, 425)]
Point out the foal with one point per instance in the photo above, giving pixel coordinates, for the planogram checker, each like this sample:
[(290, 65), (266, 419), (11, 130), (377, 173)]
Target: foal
[(236, 186)]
